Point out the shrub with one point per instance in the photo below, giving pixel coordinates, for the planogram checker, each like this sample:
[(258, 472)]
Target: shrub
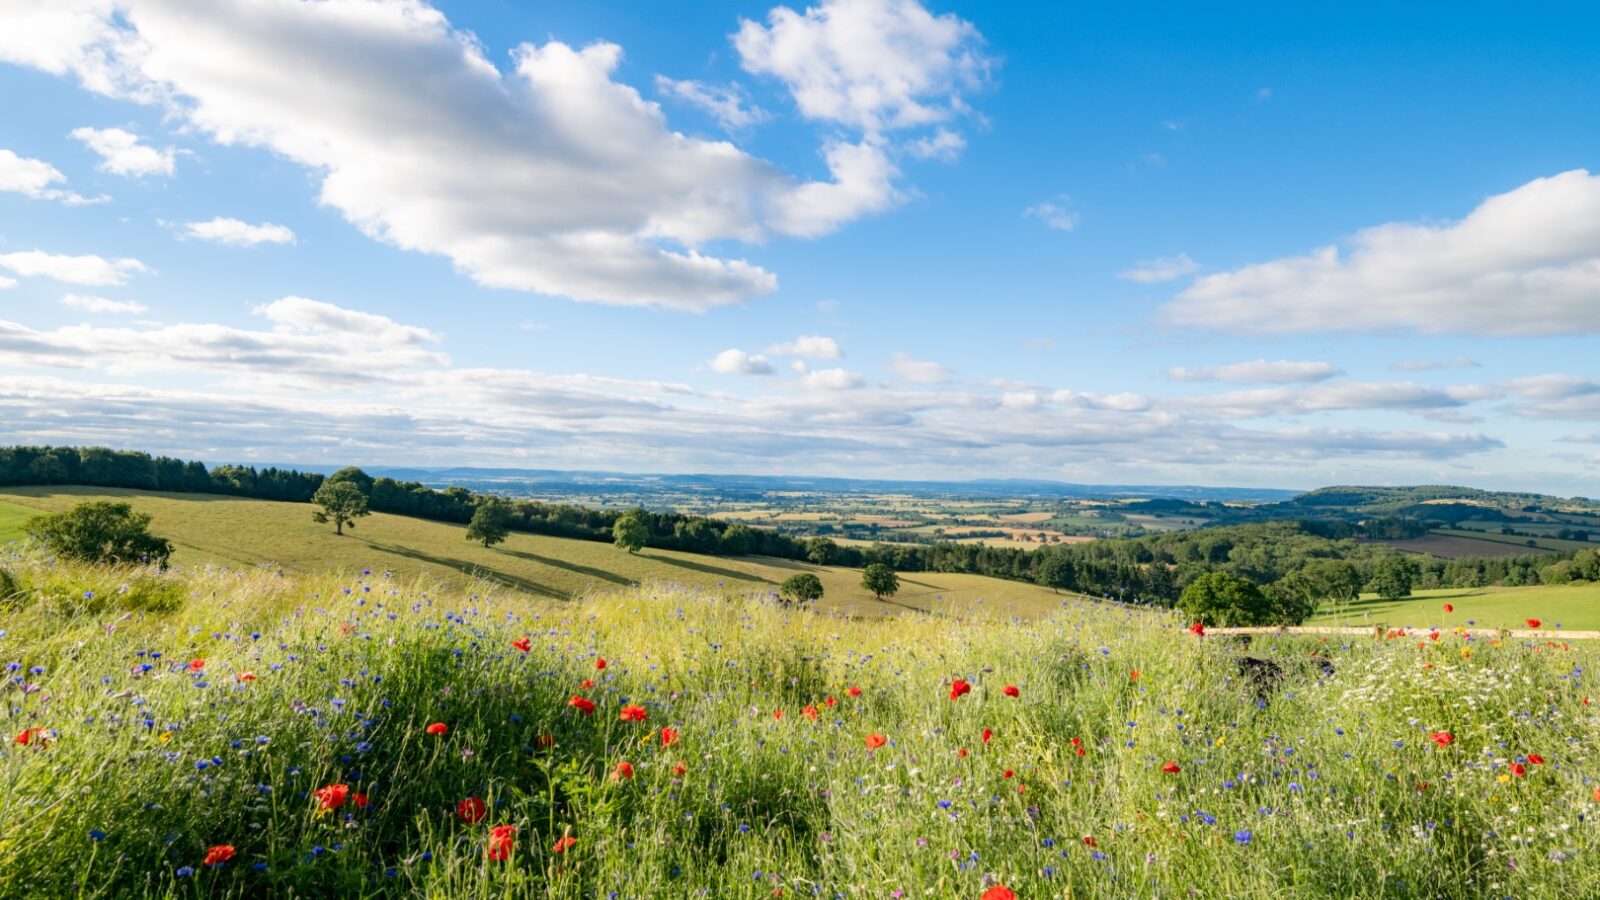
[(802, 588), (102, 532)]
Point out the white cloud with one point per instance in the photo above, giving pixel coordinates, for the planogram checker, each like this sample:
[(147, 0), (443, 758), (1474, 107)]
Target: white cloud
[(552, 178), (34, 177), (122, 154), (916, 370), (832, 380), (1054, 214), (238, 233), (6, 283), (876, 65), (1280, 401), (727, 104), (93, 304), (90, 271), (809, 346), (738, 362), (1526, 262), (1280, 372), (944, 145), (1164, 268)]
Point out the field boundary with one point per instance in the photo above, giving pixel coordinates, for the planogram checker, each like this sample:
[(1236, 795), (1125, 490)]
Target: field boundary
[(1380, 631)]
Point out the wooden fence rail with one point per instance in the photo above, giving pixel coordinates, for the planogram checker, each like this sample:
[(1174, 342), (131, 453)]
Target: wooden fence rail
[(1378, 631)]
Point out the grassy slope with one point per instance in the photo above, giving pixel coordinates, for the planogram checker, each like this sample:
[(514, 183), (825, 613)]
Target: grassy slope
[(12, 518), (1575, 606), (215, 529)]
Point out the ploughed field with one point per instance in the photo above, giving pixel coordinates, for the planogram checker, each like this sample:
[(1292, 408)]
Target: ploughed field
[(218, 530), (241, 732)]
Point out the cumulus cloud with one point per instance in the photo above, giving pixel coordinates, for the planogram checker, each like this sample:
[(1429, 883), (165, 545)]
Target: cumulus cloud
[(1280, 372), (832, 380), (34, 177), (808, 346), (1526, 262), (122, 154), (728, 104), (6, 283), (238, 233), (1054, 214), (944, 145), (738, 362), (875, 65), (916, 370), (552, 177), (90, 271), (93, 304), (1162, 268), (1424, 365)]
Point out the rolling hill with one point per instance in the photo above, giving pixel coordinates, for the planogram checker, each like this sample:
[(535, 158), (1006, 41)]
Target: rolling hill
[(213, 529)]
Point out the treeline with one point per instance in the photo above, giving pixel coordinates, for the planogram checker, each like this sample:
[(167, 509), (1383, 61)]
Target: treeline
[(1149, 569)]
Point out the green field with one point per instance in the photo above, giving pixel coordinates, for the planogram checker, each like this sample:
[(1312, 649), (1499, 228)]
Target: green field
[(243, 533), (1573, 606), (1494, 537), (12, 518)]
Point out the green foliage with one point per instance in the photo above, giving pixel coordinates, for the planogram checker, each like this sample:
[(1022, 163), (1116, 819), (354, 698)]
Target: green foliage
[(822, 551), (630, 531), (102, 532), (9, 588), (1394, 577), (1054, 571), (489, 521), (1224, 599), (341, 503), (802, 588), (880, 580), (354, 475)]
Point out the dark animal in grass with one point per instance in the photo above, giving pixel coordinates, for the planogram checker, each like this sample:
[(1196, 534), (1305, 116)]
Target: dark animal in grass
[(1263, 673)]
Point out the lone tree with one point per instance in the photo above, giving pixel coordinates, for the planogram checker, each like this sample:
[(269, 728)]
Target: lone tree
[(1055, 571), (342, 503), (802, 588), (1222, 598), (490, 521), (1394, 576), (102, 531), (631, 532), (880, 580)]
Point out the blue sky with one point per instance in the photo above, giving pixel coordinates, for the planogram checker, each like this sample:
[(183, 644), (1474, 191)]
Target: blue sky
[(867, 237)]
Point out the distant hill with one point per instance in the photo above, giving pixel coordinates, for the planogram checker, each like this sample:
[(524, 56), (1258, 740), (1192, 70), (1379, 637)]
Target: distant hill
[(1435, 502)]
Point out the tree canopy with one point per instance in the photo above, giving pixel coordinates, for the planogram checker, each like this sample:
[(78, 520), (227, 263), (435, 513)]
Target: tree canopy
[(102, 531), (880, 580), (340, 502)]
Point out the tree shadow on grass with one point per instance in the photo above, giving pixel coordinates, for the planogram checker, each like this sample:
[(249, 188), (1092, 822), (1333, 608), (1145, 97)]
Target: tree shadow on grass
[(589, 571), (526, 585), (718, 571)]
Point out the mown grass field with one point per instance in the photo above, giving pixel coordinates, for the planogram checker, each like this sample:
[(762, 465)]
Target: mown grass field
[(211, 529), (12, 520), (1571, 606), (278, 725)]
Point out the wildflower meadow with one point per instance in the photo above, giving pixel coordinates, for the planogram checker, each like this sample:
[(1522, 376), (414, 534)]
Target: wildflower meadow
[(217, 733)]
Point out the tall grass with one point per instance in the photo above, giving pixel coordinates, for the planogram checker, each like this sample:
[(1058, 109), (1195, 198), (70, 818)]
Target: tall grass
[(1331, 788)]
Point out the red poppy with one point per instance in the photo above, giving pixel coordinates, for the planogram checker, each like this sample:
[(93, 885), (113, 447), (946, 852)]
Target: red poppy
[(582, 704), (830, 702), (633, 712), (1534, 623), (360, 800), (1077, 742), (245, 677), (777, 714), (875, 740), (854, 692), (986, 735), (1597, 795), (999, 892), (219, 854), (1442, 738), (27, 736), (600, 662), (962, 753), (437, 728), (669, 736), (523, 643), (547, 740), (810, 712), (1010, 690), (472, 810), (680, 769), (1089, 841), (1449, 607), (332, 796), (958, 688), (1134, 675), (501, 839), (622, 772), (1536, 759), (1198, 628), (1079, 750), (563, 844), (1007, 774), (196, 665), (1518, 769), (586, 683), (1171, 768)]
